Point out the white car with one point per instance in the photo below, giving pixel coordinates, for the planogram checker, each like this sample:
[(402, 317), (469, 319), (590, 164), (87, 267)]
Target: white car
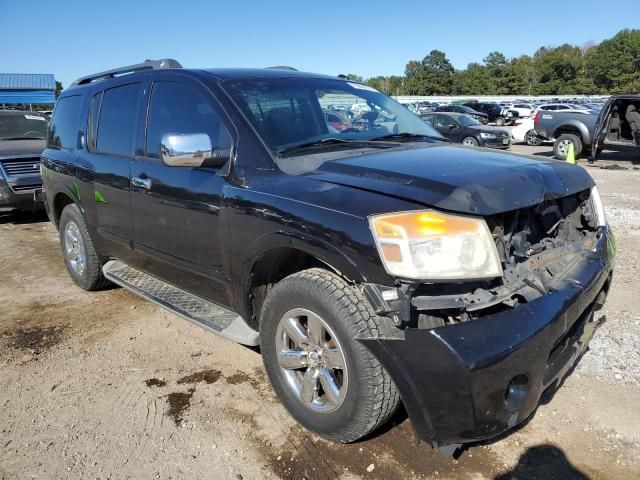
[(359, 108), (563, 107), (524, 132), (524, 109)]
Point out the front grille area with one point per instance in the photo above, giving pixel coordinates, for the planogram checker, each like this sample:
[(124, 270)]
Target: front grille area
[(536, 245), (26, 188), (523, 233), (21, 167)]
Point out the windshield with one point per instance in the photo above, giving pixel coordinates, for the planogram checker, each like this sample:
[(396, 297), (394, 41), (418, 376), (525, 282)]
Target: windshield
[(17, 126), (468, 121), (287, 112)]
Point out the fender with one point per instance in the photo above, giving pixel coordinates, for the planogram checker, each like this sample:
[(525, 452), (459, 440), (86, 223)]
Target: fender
[(323, 251), (581, 127)]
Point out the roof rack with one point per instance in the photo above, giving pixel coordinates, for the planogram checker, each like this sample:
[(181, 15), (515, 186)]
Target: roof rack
[(282, 67), (146, 65)]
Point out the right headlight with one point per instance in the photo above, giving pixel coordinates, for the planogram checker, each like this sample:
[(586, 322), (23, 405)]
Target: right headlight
[(601, 221), (487, 135), (429, 245)]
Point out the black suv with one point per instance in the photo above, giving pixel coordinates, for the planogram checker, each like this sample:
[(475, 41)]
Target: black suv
[(370, 265), (22, 140), (495, 113)]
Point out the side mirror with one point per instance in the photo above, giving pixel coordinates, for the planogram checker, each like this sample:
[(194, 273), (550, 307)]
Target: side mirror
[(191, 150)]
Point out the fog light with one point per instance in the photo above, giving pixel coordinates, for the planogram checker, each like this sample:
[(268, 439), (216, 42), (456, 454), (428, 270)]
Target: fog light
[(516, 392)]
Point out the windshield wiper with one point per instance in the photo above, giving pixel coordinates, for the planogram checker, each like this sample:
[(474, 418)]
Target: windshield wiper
[(333, 141), (393, 136), (22, 138)]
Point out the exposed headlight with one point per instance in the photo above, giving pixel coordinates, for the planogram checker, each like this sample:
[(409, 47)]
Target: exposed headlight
[(487, 135), (601, 221), (429, 245)]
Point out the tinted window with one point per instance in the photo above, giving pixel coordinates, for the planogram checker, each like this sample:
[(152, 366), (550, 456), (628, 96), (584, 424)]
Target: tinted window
[(116, 121), (177, 108), (63, 130), (443, 121), (93, 119)]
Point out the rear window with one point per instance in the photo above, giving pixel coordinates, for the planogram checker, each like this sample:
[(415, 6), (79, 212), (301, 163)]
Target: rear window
[(63, 129), (116, 120)]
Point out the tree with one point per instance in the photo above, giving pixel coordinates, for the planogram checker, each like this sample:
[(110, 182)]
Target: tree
[(613, 66), (58, 88), (614, 63), (355, 78)]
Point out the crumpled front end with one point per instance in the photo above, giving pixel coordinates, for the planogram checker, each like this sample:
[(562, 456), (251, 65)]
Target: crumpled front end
[(471, 360)]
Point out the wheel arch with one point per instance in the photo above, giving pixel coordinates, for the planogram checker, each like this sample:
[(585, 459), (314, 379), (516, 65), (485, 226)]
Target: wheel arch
[(280, 255), (60, 201), (574, 128)]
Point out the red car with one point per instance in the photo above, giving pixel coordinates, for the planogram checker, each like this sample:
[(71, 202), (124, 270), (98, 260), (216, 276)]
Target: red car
[(337, 121)]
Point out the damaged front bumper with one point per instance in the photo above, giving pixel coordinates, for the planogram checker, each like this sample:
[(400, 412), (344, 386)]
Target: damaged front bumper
[(473, 380)]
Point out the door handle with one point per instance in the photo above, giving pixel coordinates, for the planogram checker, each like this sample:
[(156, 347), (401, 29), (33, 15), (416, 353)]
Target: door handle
[(141, 182)]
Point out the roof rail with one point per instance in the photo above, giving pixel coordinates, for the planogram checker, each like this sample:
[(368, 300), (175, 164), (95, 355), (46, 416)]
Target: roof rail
[(146, 65), (282, 67)]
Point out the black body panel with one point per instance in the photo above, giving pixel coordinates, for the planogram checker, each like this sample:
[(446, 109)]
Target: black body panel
[(453, 379)]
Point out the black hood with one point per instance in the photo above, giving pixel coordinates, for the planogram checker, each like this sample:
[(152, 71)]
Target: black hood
[(10, 148), (458, 179)]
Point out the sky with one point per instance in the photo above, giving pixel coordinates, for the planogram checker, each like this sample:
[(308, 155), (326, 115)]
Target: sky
[(74, 38)]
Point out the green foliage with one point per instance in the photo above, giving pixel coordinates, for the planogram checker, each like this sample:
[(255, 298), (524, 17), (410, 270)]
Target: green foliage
[(613, 66)]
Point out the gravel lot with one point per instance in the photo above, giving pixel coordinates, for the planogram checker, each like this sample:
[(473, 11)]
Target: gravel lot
[(105, 385)]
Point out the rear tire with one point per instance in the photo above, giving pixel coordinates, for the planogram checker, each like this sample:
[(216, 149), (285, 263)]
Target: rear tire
[(364, 396), (532, 139), (83, 263), (561, 145)]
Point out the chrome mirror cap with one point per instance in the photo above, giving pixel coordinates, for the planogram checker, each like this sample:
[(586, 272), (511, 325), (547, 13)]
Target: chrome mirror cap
[(186, 149)]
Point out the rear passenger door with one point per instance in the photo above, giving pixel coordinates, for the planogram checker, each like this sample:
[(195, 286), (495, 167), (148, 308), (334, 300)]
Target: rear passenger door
[(113, 118), (176, 214)]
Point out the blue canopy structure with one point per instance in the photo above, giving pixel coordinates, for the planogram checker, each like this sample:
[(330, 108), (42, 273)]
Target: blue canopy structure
[(27, 88)]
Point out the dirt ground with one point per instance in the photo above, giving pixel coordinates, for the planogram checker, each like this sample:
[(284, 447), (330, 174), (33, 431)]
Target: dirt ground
[(105, 385)]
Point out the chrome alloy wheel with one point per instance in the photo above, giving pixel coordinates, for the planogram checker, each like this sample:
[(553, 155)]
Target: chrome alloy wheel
[(563, 147), (312, 360), (469, 141), (74, 249)]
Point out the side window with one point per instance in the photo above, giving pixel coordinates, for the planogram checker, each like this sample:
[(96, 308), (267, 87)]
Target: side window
[(63, 129), (177, 108), (94, 111), (442, 121), (117, 119)]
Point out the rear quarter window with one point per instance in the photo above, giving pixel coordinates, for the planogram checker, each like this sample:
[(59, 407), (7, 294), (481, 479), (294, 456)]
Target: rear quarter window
[(63, 128)]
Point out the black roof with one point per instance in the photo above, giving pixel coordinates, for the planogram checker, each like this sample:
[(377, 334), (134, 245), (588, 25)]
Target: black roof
[(220, 73), (234, 73)]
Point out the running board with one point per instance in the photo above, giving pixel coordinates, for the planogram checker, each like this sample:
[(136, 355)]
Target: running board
[(204, 313)]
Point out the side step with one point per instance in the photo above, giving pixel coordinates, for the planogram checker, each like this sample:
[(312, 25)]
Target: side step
[(196, 309)]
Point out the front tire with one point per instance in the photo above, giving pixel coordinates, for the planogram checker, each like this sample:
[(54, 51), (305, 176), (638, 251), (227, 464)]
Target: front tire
[(328, 381), (470, 142), (500, 122), (83, 263)]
